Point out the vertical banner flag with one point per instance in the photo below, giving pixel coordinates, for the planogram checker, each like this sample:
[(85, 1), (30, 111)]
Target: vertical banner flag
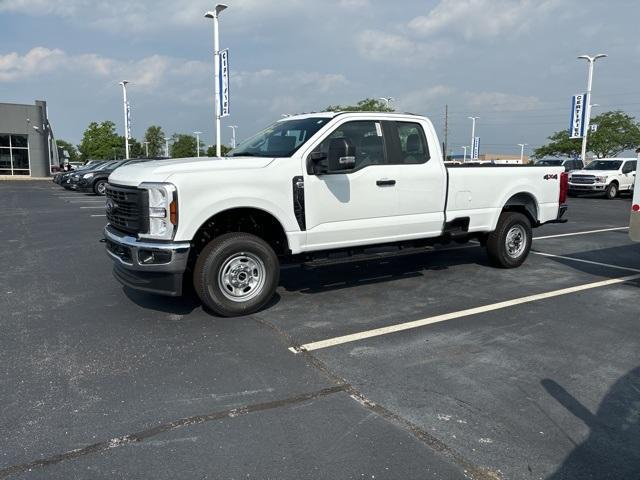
[(223, 82), (128, 120), (578, 105), (475, 150)]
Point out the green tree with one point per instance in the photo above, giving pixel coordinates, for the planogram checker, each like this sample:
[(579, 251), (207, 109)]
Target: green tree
[(211, 150), (155, 136), (366, 105), (100, 141), (616, 133), (183, 146), (70, 149)]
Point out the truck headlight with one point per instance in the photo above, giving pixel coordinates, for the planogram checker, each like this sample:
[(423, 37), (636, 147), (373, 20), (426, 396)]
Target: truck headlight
[(87, 175), (163, 210), (601, 179)]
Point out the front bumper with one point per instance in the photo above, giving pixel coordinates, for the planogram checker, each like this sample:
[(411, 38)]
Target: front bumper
[(588, 187), (147, 266)]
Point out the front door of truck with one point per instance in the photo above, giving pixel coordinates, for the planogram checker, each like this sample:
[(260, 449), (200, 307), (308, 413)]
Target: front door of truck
[(357, 207)]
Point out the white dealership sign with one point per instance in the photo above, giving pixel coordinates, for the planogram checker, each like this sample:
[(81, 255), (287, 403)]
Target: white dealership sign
[(475, 150), (223, 82), (578, 115)]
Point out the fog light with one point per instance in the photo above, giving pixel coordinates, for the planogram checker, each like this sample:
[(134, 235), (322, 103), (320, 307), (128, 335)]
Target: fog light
[(153, 257)]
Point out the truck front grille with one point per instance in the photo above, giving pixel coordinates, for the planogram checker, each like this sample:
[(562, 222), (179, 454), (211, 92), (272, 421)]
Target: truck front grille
[(583, 179), (127, 209)]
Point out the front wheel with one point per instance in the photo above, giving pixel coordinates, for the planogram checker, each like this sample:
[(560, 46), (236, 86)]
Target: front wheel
[(236, 274), (612, 191), (100, 188), (509, 244)]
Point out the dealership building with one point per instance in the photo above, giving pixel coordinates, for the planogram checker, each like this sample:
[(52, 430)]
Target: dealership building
[(27, 145)]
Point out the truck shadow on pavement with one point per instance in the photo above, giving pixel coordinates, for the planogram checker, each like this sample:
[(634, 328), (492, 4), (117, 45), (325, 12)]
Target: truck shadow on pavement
[(612, 449)]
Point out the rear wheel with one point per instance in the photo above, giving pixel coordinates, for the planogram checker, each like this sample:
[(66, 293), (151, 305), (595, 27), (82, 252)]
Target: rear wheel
[(509, 244), (236, 274), (100, 188), (612, 191)]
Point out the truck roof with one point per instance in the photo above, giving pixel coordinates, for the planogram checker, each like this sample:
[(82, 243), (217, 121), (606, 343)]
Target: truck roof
[(335, 114)]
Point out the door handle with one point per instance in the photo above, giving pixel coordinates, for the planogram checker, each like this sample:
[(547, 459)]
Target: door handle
[(383, 182)]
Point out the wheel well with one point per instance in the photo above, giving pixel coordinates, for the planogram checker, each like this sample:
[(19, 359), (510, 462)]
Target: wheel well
[(247, 220), (524, 203), (614, 181)]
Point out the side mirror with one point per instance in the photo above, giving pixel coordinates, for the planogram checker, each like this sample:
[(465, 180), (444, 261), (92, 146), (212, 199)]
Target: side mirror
[(341, 156)]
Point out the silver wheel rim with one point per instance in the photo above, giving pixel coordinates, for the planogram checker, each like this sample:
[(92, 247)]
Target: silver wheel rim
[(516, 241), (102, 187), (612, 191), (241, 277)]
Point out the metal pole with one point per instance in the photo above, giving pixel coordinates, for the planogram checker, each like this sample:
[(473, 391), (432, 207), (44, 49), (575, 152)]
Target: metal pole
[(216, 69), (587, 121), (446, 130), (465, 153), (166, 146), (473, 134), (126, 118), (197, 134), (146, 148), (522, 145), (233, 135)]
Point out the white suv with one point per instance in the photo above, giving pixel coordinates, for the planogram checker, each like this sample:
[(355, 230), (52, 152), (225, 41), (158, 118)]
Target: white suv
[(609, 176)]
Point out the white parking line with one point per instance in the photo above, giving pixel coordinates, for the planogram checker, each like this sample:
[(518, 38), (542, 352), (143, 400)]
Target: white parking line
[(581, 233), (85, 201), (573, 259), (99, 206), (98, 215), (354, 337)]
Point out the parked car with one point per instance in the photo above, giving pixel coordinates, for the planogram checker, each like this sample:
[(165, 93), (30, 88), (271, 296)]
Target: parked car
[(95, 180), (608, 176), (62, 175), (569, 164), (307, 189)]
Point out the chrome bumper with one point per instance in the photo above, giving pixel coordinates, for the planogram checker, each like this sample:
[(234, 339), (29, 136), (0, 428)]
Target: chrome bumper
[(129, 252)]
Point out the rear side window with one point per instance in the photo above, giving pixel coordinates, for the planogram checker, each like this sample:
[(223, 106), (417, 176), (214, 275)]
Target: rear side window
[(366, 139), (629, 167), (407, 143)]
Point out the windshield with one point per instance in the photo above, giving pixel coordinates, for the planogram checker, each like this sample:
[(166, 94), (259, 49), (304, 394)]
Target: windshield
[(549, 163), (281, 139), (603, 165)]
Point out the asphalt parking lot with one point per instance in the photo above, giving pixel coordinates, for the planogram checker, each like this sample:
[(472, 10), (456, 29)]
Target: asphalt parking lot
[(532, 373)]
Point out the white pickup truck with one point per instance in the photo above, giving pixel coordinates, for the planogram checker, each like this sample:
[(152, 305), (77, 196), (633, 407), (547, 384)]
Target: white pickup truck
[(608, 176), (315, 188)]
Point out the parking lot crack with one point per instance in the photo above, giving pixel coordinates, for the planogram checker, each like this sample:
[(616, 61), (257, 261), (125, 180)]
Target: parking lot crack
[(166, 427)]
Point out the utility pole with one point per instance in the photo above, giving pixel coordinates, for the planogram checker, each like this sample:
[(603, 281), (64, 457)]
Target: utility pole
[(166, 146), (592, 61), (126, 117), (233, 135), (146, 149), (197, 134), (446, 130), (464, 147), (216, 69), (473, 134), (522, 145)]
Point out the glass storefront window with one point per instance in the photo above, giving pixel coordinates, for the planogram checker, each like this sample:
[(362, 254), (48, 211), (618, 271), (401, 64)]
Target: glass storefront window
[(14, 155)]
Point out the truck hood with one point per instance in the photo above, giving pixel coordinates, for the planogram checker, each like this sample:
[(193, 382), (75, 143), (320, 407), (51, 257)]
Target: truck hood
[(161, 170), (596, 173)]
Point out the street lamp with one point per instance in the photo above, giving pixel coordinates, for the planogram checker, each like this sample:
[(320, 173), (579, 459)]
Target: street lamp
[(216, 68), (233, 135), (166, 146), (592, 61), (146, 148), (387, 100), (522, 145), (197, 134), (126, 117), (473, 134), (464, 147)]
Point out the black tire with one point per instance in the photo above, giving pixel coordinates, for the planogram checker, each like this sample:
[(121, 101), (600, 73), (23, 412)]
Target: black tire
[(236, 254), (511, 225), (612, 191), (100, 187)]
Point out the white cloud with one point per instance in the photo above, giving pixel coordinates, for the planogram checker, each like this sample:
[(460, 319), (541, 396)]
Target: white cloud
[(394, 48), (500, 102), (482, 18)]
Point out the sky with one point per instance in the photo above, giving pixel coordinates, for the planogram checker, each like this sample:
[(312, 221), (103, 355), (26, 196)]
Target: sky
[(510, 62)]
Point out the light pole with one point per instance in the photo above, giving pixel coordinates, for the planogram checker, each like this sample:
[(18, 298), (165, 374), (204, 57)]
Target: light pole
[(197, 134), (216, 68), (522, 145), (464, 147), (126, 117), (166, 146), (146, 148), (387, 100), (233, 135), (592, 61), (473, 134)]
